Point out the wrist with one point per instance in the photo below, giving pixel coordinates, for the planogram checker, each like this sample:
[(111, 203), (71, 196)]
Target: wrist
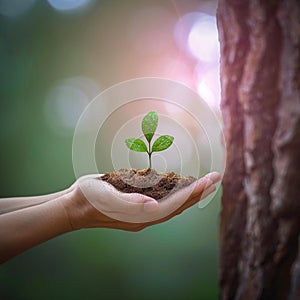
[(77, 209)]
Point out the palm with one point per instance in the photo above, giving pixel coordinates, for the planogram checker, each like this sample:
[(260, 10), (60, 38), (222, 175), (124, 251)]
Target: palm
[(107, 207)]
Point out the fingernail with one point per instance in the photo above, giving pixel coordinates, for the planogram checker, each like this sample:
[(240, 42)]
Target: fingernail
[(150, 206), (214, 176)]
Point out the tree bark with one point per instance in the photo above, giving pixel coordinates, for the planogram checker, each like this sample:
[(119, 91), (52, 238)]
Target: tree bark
[(260, 217)]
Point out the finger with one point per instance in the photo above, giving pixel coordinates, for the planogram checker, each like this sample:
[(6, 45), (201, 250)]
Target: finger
[(138, 208), (90, 176), (199, 186), (127, 204), (193, 200), (117, 205), (176, 200), (214, 176), (201, 189), (203, 195), (134, 204), (208, 191), (149, 204)]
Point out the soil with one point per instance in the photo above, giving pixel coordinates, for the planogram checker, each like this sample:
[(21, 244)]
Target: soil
[(147, 181)]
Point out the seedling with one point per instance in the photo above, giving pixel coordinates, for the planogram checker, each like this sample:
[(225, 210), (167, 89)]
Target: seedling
[(149, 125)]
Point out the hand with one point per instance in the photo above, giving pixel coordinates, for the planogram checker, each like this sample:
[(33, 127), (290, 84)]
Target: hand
[(95, 203), (89, 202)]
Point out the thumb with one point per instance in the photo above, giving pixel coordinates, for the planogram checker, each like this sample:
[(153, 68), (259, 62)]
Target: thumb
[(150, 204)]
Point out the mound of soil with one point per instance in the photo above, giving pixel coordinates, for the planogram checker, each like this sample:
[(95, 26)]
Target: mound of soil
[(147, 182)]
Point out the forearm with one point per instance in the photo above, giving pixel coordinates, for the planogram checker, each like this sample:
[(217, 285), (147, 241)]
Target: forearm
[(15, 203), (25, 228)]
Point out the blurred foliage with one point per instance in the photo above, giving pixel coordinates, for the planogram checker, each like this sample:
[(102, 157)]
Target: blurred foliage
[(175, 260)]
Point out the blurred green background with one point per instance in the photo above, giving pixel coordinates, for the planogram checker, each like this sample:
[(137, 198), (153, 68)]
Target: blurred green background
[(55, 57)]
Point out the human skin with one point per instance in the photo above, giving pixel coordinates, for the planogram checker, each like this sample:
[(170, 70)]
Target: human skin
[(28, 221)]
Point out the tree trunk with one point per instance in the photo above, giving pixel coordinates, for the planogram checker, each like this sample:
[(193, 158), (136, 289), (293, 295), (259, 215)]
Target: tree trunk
[(260, 218)]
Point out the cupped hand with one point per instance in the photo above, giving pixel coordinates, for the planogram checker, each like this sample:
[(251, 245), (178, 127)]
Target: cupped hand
[(96, 203)]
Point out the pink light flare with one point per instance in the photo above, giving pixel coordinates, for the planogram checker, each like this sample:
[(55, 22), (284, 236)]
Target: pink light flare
[(208, 86), (197, 35), (150, 31)]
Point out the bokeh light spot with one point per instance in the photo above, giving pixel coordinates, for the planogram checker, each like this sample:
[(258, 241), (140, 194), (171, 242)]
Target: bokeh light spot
[(196, 33), (66, 101), (203, 39), (65, 5)]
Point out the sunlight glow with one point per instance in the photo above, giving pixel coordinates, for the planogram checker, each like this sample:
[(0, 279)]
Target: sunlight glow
[(208, 83), (206, 93)]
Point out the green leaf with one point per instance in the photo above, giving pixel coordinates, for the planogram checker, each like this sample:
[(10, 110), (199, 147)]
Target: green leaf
[(162, 143), (136, 145), (149, 125)]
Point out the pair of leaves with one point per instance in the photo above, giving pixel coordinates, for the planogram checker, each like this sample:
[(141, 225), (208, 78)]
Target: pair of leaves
[(149, 126), (162, 143)]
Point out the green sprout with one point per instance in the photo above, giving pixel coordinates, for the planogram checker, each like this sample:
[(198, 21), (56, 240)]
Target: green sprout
[(149, 125)]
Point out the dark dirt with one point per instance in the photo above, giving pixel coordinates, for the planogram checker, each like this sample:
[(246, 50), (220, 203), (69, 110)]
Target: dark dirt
[(147, 182)]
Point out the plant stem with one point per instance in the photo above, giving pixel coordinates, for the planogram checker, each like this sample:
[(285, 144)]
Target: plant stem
[(149, 153), (149, 159)]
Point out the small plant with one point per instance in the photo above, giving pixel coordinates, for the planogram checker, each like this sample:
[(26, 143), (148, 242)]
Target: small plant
[(149, 125)]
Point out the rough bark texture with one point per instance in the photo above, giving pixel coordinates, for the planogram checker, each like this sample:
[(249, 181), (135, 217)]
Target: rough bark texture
[(260, 218)]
